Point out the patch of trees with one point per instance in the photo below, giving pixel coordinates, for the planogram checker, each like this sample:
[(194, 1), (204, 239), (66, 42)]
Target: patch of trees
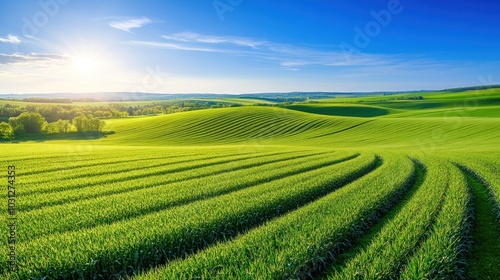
[(35, 119), (392, 99), (30, 124), (53, 112), (8, 110), (88, 123), (409, 98), (6, 131), (27, 123)]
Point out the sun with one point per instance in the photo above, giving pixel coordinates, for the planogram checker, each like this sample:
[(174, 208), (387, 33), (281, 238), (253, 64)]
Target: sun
[(86, 64)]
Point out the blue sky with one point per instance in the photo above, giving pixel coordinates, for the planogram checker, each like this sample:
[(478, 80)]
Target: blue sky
[(242, 46)]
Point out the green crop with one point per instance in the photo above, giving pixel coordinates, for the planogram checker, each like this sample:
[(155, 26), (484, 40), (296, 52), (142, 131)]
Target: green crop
[(400, 186)]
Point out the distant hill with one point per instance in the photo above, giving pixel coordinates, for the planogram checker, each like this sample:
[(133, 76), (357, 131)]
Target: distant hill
[(460, 89), (269, 96)]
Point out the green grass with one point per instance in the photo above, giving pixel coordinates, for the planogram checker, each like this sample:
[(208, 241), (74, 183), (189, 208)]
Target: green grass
[(472, 103), (389, 250), (442, 254), (150, 196), (485, 253), (275, 126), (294, 245), (311, 190), (172, 233), (360, 245)]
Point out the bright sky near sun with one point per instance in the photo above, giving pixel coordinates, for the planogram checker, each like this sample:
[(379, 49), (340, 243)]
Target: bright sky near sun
[(242, 46)]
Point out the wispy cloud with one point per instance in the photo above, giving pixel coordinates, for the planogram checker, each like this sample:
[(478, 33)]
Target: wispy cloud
[(32, 37), (128, 24), (172, 46), (285, 55), (18, 58), (11, 39), (198, 38)]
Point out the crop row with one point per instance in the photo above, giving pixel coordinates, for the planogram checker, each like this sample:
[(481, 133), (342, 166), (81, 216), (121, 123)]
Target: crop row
[(486, 169), (68, 169), (388, 251), (152, 239), (112, 208), (229, 125), (424, 240), (48, 159), (441, 256), (87, 178), (167, 172), (299, 243)]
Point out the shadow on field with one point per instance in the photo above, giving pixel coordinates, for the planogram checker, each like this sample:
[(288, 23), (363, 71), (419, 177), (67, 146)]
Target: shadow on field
[(343, 111)]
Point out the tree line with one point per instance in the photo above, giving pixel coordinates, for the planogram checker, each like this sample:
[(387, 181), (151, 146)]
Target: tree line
[(32, 119), (29, 124), (113, 110)]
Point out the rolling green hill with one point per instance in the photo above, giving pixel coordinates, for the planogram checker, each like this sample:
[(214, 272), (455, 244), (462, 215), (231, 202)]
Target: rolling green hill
[(379, 189), (412, 124), (267, 125)]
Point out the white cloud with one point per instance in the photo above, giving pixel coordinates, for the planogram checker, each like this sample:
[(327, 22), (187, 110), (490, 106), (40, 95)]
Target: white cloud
[(128, 24), (11, 39), (286, 55), (32, 37), (198, 38), (18, 58), (171, 46)]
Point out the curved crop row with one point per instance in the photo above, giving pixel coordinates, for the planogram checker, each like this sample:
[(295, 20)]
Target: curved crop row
[(109, 209), (229, 125), (172, 165), (172, 172), (299, 243), (50, 159), (295, 245), (152, 239), (486, 169), (112, 164), (441, 256), (390, 249), (484, 250)]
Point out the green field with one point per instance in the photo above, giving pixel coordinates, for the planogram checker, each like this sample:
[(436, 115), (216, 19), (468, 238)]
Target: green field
[(345, 188)]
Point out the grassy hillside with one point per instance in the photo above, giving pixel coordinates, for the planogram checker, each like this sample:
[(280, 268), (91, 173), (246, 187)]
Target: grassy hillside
[(408, 126), (379, 189), (474, 103), (268, 125), (226, 126)]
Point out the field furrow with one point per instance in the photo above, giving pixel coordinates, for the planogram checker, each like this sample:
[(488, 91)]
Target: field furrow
[(136, 244), (367, 237), (98, 188), (97, 168), (441, 256), (296, 245), (486, 170), (139, 173), (484, 253), (113, 208), (389, 250)]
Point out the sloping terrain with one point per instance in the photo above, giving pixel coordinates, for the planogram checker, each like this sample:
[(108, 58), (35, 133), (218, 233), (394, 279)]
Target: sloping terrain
[(263, 192)]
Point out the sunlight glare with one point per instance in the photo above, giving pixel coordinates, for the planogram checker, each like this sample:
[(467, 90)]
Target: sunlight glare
[(86, 64)]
